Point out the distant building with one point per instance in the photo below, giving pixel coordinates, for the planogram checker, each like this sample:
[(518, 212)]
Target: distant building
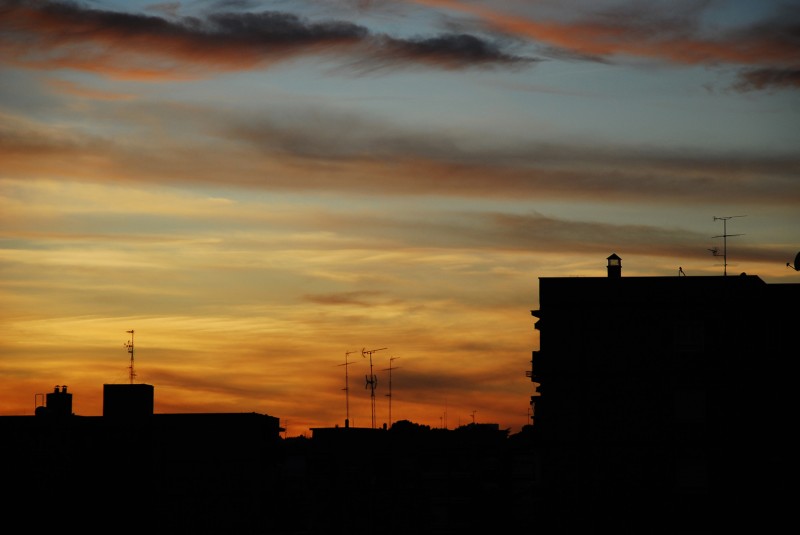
[(132, 471), (662, 404)]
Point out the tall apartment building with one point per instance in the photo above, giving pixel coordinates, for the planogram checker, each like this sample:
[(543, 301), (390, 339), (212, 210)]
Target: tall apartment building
[(663, 404)]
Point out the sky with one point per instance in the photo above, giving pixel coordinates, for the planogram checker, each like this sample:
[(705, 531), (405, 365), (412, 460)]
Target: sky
[(274, 194)]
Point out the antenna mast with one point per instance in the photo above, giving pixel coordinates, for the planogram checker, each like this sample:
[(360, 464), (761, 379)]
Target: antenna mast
[(129, 346), (724, 237), (389, 395), (346, 388), (372, 381)]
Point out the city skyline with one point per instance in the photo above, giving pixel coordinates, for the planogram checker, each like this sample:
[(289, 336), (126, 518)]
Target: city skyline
[(263, 190)]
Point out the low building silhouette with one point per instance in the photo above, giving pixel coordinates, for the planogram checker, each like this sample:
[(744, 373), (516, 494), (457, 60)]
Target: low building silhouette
[(132, 471), (414, 479)]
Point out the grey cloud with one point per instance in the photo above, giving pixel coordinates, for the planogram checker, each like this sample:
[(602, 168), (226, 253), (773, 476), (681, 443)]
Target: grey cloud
[(446, 50), (284, 28)]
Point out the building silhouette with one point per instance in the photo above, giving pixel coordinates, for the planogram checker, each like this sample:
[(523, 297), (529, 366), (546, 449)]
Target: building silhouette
[(133, 471), (662, 404)]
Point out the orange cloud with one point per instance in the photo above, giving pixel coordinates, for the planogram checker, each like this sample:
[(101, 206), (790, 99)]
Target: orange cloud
[(647, 33), (53, 35)]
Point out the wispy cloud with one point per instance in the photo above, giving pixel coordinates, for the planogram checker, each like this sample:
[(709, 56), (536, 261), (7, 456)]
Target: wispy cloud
[(281, 154)]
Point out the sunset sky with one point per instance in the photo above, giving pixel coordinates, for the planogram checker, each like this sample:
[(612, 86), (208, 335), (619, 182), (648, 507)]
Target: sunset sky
[(258, 189)]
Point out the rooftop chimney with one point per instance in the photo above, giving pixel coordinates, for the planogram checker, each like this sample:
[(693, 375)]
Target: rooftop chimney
[(614, 266)]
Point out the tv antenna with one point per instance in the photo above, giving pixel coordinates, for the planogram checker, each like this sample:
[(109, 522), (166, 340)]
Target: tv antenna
[(346, 388), (129, 346), (372, 381), (724, 236), (796, 265), (389, 395)]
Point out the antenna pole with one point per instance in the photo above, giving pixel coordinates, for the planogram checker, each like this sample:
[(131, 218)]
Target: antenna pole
[(129, 345), (346, 388), (372, 381), (724, 237), (389, 395)]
